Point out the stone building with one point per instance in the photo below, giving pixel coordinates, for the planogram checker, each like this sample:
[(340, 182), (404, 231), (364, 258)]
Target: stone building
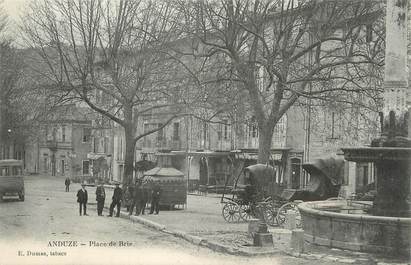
[(211, 152), (62, 144)]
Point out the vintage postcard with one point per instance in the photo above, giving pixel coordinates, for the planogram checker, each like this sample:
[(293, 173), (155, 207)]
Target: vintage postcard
[(205, 132)]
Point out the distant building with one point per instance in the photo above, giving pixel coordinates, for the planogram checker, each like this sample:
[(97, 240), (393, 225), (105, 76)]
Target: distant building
[(211, 153), (101, 152), (62, 144)]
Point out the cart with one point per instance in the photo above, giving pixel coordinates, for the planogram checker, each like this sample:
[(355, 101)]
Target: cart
[(252, 196), (172, 183), (256, 195)]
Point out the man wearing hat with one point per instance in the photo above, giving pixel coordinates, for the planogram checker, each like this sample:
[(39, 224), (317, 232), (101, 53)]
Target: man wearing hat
[(144, 197), (155, 198), (82, 198), (136, 198), (117, 196), (100, 198)]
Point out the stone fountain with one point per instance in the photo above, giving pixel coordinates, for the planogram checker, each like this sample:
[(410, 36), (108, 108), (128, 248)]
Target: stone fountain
[(384, 226)]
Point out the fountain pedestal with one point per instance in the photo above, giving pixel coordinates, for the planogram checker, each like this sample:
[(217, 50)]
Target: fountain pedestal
[(393, 171), (393, 189), (388, 228)]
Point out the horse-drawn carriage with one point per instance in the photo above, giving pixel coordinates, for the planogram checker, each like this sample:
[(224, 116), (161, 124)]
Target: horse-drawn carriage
[(255, 194)]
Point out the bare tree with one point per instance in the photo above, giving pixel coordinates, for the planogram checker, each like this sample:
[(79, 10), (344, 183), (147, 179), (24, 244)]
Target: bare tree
[(110, 56), (280, 51), (13, 118)]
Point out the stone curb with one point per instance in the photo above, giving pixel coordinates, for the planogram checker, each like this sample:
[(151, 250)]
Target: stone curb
[(217, 247), (149, 223), (196, 240)]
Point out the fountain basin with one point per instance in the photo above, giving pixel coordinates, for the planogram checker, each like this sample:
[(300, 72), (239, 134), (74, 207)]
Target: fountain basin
[(359, 232)]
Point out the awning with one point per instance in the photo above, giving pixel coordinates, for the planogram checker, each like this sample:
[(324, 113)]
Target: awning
[(209, 153), (164, 172), (94, 156), (144, 165)]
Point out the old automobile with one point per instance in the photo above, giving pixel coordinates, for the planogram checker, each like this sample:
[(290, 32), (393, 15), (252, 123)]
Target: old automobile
[(11, 179)]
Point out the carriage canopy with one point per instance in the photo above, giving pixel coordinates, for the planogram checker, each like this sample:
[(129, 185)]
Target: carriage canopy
[(326, 176)]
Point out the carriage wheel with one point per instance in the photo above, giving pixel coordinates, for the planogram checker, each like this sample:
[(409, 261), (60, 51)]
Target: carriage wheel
[(231, 212), (270, 215), (286, 208), (246, 212)]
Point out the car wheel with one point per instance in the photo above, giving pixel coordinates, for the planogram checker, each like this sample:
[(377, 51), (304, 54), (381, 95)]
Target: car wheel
[(21, 197), (1, 197)]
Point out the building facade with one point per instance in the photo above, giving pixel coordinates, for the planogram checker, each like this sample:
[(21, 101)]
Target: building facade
[(61, 145)]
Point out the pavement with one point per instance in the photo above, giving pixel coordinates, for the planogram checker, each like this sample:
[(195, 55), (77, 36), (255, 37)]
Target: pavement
[(30, 230), (201, 223)]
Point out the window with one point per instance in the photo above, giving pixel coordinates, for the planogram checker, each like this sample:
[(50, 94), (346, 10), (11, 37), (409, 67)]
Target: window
[(220, 132), (86, 135), (63, 133), (147, 140), (63, 166), (334, 133), (94, 145), (279, 133), (146, 127), (225, 129), (46, 163), (205, 130), (105, 144), (4, 171), (46, 131), (176, 131), (160, 133), (86, 167), (254, 131), (365, 175), (120, 152)]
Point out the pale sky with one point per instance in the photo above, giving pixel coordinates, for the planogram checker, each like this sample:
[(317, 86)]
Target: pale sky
[(14, 7)]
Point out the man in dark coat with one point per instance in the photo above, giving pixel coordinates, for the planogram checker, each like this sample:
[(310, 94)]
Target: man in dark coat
[(155, 198), (100, 198), (144, 198), (117, 197), (136, 198), (67, 183), (82, 198), (128, 196)]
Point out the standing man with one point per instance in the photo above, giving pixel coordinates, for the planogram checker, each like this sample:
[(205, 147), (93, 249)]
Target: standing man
[(82, 198), (67, 183), (117, 197), (100, 198), (144, 198), (155, 198), (128, 196), (136, 198)]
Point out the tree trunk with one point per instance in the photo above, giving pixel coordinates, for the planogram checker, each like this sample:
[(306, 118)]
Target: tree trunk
[(264, 144), (129, 155), (129, 131)]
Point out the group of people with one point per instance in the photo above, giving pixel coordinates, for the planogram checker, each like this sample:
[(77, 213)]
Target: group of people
[(136, 196)]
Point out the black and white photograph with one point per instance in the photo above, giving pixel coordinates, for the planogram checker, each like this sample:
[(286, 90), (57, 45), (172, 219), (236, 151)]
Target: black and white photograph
[(205, 132)]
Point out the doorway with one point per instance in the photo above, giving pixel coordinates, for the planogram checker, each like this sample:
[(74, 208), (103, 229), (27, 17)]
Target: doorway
[(295, 173), (203, 171)]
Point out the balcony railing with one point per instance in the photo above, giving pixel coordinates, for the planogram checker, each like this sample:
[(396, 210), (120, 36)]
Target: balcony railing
[(163, 144), (54, 145), (51, 144)]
